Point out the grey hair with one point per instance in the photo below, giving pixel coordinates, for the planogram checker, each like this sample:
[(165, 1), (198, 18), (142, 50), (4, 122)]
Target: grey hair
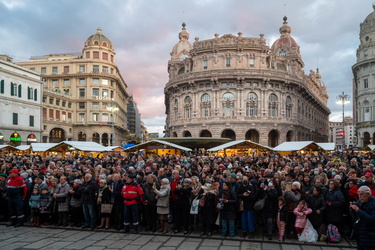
[(165, 180), (365, 189), (78, 181)]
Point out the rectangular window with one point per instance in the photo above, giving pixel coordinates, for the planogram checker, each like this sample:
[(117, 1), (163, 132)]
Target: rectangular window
[(57, 102), (15, 118), (81, 117), (19, 90), (81, 105), (54, 70), (43, 70), (111, 58), (95, 81), (95, 55), (66, 69), (105, 56), (105, 69), (44, 99), (223, 84), (227, 62), (95, 105), (63, 116), (95, 92), (44, 112), (66, 82), (87, 54), (112, 71), (112, 94), (205, 64), (82, 92), (82, 81), (105, 117), (105, 93), (51, 100), (104, 81), (365, 53), (69, 117), (30, 93), (82, 68), (104, 105), (33, 69), (95, 117), (69, 105), (2, 86), (58, 114), (63, 104), (95, 68), (251, 62), (55, 82), (51, 113), (365, 83)]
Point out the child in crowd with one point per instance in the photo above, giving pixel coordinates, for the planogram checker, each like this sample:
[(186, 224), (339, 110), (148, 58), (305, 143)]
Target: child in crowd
[(282, 217), (34, 204), (45, 202), (301, 212)]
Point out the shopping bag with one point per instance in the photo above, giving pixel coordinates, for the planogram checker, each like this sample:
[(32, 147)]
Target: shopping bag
[(194, 206), (309, 234)]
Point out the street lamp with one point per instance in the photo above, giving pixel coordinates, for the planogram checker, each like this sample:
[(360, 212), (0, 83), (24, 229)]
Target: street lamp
[(113, 108), (343, 99)]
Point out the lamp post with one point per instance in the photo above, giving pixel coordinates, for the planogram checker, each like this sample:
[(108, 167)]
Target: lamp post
[(113, 108), (343, 99)]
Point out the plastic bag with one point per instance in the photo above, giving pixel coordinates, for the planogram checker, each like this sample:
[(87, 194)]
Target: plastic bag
[(309, 234), (194, 206)]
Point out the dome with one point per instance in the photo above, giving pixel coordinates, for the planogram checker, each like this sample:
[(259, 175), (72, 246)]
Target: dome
[(181, 49), (98, 39), (282, 45)]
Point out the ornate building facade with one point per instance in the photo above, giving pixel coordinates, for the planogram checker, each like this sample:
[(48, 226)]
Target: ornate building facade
[(238, 87), (84, 96), (364, 83)]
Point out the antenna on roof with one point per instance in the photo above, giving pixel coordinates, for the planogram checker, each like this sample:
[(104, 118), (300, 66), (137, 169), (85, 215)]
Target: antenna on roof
[(285, 14)]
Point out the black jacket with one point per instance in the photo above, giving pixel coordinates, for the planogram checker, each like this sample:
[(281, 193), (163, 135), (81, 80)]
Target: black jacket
[(283, 213), (183, 196), (316, 202), (366, 229), (334, 212), (117, 198), (248, 201), (88, 192)]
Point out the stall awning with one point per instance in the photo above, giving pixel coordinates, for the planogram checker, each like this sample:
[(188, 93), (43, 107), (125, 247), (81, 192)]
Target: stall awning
[(296, 146), (23, 147), (7, 147), (371, 147), (327, 146), (42, 147), (157, 144), (115, 148), (85, 146), (241, 144)]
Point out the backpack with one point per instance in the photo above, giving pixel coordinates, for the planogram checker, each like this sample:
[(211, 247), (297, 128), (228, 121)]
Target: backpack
[(333, 234)]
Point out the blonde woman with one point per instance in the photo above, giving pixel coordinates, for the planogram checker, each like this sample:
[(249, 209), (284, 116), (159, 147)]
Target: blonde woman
[(163, 204)]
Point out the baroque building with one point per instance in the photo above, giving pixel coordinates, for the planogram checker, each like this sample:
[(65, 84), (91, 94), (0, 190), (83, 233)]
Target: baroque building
[(238, 87), (364, 83), (20, 104), (84, 95)]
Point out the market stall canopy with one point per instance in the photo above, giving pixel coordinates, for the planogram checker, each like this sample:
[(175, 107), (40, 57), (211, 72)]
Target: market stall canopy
[(156, 144), (370, 147), (128, 145), (114, 148), (23, 147), (297, 146), (327, 146), (85, 146), (196, 142), (42, 147), (7, 148), (241, 144)]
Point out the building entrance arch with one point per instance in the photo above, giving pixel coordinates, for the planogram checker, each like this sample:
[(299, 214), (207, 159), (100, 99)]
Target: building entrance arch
[(228, 133), (252, 135)]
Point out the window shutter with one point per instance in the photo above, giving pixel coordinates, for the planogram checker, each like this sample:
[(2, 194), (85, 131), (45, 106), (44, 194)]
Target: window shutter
[(20, 90), (28, 93), (2, 87), (11, 89), (35, 94)]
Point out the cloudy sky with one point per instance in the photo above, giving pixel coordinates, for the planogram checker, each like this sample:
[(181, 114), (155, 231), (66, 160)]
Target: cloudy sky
[(144, 31)]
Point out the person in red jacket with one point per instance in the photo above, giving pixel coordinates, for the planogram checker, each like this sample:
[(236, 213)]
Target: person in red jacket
[(16, 191), (369, 181), (133, 194)]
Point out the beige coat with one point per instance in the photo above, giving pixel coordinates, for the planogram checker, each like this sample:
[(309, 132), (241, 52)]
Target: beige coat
[(163, 196)]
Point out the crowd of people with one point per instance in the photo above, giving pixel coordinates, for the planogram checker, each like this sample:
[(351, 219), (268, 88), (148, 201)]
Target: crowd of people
[(228, 195)]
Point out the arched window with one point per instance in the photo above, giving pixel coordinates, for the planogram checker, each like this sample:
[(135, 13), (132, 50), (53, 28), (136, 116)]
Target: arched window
[(228, 104), (288, 107), (187, 107), (206, 105), (252, 104), (273, 105), (282, 52), (366, 111), (183, 56), (175, 109)]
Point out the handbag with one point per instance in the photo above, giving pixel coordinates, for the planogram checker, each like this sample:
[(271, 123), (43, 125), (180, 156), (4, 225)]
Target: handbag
[(194, 206), (75, 202), (259, 205), (106, 208)]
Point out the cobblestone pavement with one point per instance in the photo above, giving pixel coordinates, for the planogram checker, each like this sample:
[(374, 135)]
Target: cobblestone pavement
[(26, 238)]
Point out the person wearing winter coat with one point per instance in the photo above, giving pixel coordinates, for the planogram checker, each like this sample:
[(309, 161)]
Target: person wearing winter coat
[(162, 204), (228, 198), (89, 202), (301, 212), (104, 197), (246, 194), (335, 205), (183, 193), (208, 212), (292, 196), (61, 197), (44, 208), (150, 209), (282, 217), (34, 204), (270, 206), (317, 204), (76, 213)]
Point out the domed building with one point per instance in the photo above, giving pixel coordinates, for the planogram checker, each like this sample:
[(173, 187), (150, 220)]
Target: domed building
[(84, 94), (238, 87), (364, 83)]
